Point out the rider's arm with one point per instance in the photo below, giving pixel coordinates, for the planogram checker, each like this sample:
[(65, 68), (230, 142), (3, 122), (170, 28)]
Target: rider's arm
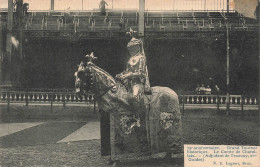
[(119, 76)]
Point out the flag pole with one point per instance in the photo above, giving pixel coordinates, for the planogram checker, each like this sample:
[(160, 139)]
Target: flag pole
[(228, 61), (258, 17)]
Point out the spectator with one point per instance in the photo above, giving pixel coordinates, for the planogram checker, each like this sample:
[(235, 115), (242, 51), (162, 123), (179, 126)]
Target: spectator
[(125, 22), (208, 90), (15, 5), (60, 23), (202, 89), (197, 90), (19, 11), (19, 7), (217, 89), (25, 9), (102, 6), (122, 23), (92, 22)]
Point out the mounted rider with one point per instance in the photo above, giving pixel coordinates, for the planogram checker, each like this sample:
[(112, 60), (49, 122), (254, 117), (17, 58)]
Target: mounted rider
[(135, 77)]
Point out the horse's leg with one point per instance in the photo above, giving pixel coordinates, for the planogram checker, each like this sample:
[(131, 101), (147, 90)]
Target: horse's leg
[(105, 133), (167, 132), (174, 137)]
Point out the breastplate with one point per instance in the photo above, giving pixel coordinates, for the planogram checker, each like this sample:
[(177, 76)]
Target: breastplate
[(134, 63)]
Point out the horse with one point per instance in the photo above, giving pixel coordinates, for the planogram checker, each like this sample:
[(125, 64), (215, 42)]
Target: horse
[(156, 127)]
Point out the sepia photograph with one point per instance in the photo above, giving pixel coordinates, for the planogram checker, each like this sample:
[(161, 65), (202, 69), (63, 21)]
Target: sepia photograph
[(131, 83)]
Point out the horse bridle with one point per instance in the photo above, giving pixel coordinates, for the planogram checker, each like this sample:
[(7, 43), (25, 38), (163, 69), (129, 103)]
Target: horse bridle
[(92, 75)]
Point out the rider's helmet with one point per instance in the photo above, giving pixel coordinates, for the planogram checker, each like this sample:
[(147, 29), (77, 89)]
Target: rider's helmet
[(134, 46)]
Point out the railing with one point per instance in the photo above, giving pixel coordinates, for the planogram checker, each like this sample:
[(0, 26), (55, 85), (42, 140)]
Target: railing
[(64, 98), (170, 20), (210, 99), (237, 102), (67, 96), (218, 99), (51, 98), (20, 96), (82, 24)]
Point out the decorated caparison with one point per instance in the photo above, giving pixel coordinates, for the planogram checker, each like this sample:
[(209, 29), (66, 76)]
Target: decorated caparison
[(136, 119)]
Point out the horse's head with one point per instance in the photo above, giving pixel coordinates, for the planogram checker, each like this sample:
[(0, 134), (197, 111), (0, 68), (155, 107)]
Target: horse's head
[(83, 80), (90, 78)]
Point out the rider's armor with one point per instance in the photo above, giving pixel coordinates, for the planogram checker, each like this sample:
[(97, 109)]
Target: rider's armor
[(137, 81)]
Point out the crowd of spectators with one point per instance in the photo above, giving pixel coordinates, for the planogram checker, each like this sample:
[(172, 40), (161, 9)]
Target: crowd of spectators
[(202, 90), (21, 11)]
